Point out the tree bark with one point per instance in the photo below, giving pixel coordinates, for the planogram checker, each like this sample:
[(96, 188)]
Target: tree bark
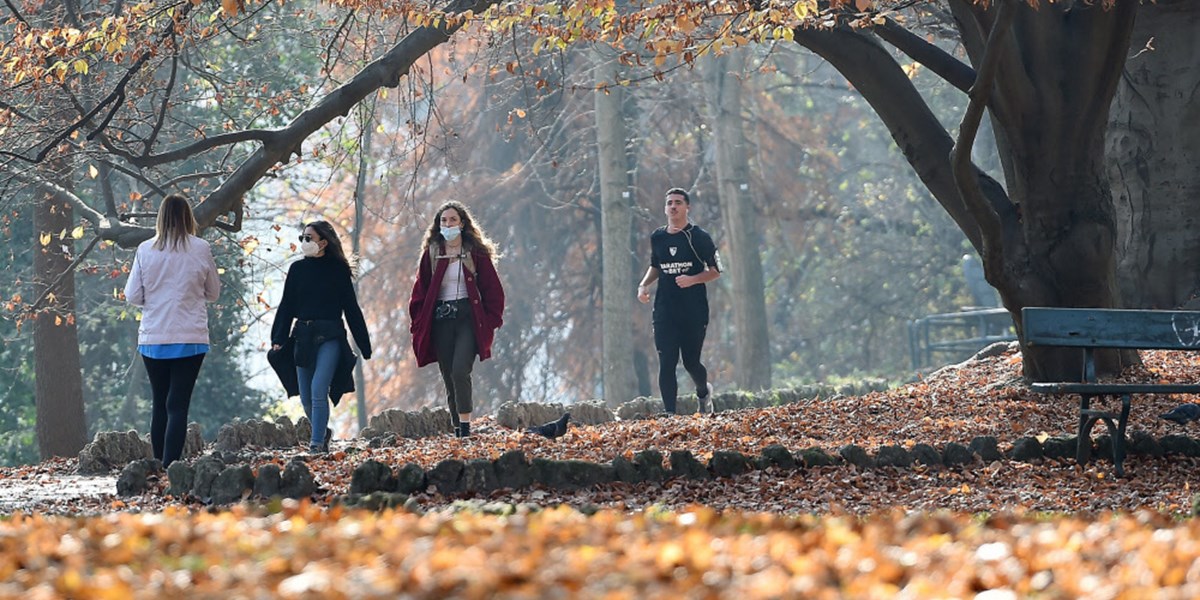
[(1153, 147), (616, 224), (61, 424), (751, 341), (367, 126)]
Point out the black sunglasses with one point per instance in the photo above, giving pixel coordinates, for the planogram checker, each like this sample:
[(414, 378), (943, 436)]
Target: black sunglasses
[(304, 237)]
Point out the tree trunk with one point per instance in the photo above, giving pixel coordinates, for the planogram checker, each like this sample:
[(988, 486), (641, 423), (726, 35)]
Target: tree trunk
[(1048, 237), (616, 223), (61, 425), (753, 351), (1153, 148), (367, 126)]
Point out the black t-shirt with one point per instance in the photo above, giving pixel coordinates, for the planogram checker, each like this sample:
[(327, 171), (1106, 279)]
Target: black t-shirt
[(682, 253)]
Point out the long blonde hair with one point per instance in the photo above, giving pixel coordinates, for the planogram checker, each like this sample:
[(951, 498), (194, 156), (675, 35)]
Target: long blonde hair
[(175, 223)]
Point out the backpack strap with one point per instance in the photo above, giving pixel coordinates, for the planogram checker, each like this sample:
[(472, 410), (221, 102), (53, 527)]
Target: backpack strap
[(468, 259)]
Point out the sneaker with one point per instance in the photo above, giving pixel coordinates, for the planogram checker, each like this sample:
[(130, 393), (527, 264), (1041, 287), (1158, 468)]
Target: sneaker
[(706, 401), (328, 437)]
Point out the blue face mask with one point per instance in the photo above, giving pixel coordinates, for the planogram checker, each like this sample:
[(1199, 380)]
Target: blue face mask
[(451, 233)]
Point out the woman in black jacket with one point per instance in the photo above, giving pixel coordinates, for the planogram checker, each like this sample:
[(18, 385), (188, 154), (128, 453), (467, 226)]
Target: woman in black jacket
[(318, 290)]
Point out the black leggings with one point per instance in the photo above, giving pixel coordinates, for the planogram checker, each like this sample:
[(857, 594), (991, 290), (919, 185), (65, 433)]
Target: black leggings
[(454, 340), (171, 382), (672, 341)]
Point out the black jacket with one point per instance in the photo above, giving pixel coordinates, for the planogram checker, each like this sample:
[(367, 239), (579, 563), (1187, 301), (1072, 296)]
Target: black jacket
[(300, 349)]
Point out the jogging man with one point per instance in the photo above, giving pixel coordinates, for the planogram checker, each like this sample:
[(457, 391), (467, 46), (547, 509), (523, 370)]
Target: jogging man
[(683, 258)]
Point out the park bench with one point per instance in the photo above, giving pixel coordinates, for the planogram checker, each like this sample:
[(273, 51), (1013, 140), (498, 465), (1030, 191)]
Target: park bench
[(1091, 329)]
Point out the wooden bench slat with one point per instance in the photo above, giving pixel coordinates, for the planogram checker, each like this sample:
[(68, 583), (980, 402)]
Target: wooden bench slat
[(1115, 388), (1111, 328)]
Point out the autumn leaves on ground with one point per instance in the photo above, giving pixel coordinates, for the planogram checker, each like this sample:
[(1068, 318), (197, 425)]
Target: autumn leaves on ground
[(1004, 528)]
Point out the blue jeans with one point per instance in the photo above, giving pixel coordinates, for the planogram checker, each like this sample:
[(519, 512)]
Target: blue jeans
[(314, 389)]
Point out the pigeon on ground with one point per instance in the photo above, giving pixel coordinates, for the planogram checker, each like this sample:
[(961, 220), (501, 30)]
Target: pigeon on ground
[(1183, 413), (552, 429)]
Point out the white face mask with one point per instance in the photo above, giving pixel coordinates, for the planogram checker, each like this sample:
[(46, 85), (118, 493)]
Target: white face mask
[(451, 233), (310, 249)]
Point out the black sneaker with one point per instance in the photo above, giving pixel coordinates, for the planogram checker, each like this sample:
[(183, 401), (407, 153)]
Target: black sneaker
[(464, 430), (328, 437)]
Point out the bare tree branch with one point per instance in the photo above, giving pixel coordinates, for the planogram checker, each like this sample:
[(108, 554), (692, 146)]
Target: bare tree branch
[(265, 136), (16, 13), (37, 304), (162, 110), (113, 101), (954, 71), (123, 234), (281, 144), (965, 173)]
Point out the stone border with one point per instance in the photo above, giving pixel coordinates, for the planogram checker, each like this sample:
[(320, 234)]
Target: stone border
[(375, 484), (112, 450)]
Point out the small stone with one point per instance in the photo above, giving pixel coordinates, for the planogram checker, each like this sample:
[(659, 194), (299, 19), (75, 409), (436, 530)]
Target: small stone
[(926, 455), (372, 476), (232, 484), (683, 464), (207, 470), (513, 470), (816, 457), (725, 463), (297, 481), (987, 447), (1027, 449), (778, 456), (856, 456), (957, 454), (268, 481), (410, 479), (479, 475), (182, 477), (446, 476), (1059, 448)]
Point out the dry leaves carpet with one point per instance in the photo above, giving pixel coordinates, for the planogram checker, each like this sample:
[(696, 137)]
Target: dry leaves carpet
[(1001, 530)]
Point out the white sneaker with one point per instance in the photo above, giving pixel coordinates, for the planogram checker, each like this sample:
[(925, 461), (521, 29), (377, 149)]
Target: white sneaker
[(706, 403)]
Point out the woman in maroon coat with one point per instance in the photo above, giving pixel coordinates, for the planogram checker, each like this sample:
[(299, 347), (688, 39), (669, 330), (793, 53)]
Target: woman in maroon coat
[(457, 304)]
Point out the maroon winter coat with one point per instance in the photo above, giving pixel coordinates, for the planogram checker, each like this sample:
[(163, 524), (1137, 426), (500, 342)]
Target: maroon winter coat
[(487, 304)]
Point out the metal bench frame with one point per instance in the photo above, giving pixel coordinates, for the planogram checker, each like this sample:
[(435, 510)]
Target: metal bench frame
[(1091, 329)]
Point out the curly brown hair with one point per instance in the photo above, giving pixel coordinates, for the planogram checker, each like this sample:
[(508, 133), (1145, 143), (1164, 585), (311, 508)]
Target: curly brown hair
[(474, 238)]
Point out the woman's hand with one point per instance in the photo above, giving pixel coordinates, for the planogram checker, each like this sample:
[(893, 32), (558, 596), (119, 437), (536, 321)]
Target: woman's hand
[(275, 346)]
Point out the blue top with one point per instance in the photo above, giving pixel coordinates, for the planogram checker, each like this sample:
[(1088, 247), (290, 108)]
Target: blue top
[(165, 351)]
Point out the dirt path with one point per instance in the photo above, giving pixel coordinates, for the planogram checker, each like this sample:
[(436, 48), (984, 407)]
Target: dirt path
[(18, 493)]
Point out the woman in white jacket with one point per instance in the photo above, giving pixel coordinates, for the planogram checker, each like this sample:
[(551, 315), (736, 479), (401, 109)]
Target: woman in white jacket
[(172, 278)]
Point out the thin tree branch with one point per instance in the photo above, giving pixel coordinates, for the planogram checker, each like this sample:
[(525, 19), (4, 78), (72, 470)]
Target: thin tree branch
[(113, 101), (385, 71), (162, 111), (965, 174), (16, 13), (954, 71), (137, 177), (106, 188), (266, 136), (124, 234), (37, 304)]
